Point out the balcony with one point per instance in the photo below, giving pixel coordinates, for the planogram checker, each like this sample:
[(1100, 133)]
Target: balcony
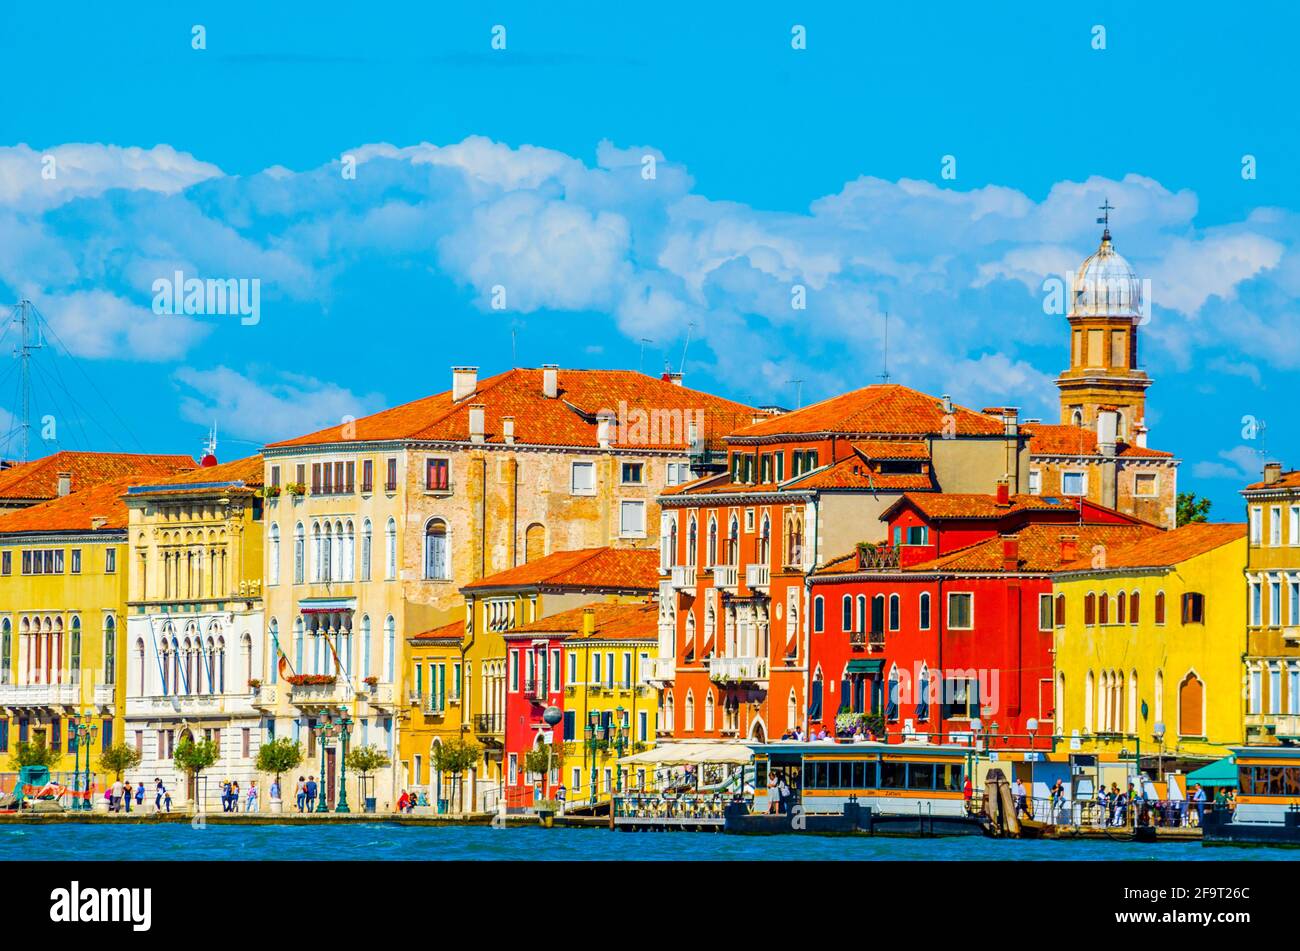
[(1291, 635), (658, 669), (877, 556), (381, 695), (683, 577), (105, 696), (336, 693), (191, 705), (875, 640), (38, 695), (1284, 726), (264, 697), (490, 727), (535, 689), (757, 577), (726, 577), (738, 669)]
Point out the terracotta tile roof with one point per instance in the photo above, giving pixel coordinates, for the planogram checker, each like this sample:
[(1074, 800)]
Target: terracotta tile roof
[(1167, 548), (453, 631), (614, 622), (1040, 549), (892, 449), (658, 412), (721, 484), (72, 513), (1287, 480), (852, 473), (247, 471), (972, 505), (1054, 439), (39, 479), (880, 410), (622, 569)]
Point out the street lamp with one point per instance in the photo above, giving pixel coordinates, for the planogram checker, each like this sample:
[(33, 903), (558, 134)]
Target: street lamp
[(326, 730), (345, 730), (1158, 734), (620, 744), (594, 735), (552, 716), (83, 734)]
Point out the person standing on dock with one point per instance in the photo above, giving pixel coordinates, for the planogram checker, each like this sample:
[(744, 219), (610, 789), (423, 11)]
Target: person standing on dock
[(302, 793), (773, 795), (311, 793), (127, 792), (1198, 797), (139, 795), (251, 804), (158, 791)]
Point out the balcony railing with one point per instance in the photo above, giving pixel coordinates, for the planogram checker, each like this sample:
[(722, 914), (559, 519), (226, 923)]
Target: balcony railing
[(1281, 725), (872, 639), (264, 696), (877, 556), (1291, 634), (757, 576), (726, 576), (334, 694), (489, 724), (105, 695), (739, 669), (658, 668), (683, 577), (381, 695), (38, 695)]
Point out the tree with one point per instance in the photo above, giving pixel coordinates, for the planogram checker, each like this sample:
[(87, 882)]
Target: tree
[(455, 756), (1192, 509), (544, 757), (118, 759), (365, 761), (279, 756), (193, 758), (34, 753)]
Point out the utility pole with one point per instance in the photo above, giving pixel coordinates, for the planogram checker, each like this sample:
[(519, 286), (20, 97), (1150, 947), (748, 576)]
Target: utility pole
[(27, 325)]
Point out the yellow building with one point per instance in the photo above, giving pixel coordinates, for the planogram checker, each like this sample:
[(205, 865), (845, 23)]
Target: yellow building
[(1273, 612), (1150, 646), (63, 591), (469, 656)]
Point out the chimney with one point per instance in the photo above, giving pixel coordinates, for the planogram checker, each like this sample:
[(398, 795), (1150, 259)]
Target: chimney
[(464, 381), (604, 426), (673, 378), (1004, 493), (1010, 553), (1010, 420), (589, 621), (1069, 548), (550, 380), (1140, 433), (947, 404), (477, 420), (98, 521), (65, 483), (1272, 473), (1107, 426), (508, 429)]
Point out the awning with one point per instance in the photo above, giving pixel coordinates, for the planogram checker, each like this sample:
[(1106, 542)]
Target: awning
[(680, 754), (1221, 772), (865, 666)]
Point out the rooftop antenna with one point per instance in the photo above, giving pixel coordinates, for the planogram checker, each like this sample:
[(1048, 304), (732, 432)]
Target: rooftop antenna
[(1105, 208), (644, 341), (210, 447), (689, 328), (884, 377), (27, 324), (798, 393), (514, 348)]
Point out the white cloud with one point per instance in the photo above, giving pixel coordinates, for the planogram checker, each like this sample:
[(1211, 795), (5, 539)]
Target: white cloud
[(31, 181), (98, 325), (1240, 464)]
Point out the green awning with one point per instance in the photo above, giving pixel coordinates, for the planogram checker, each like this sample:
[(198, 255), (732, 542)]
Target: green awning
[(865, 666), (1221, 772)]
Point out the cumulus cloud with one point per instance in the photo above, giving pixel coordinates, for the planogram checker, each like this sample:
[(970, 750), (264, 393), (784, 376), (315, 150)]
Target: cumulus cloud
[(33, 180), (1239, 464)]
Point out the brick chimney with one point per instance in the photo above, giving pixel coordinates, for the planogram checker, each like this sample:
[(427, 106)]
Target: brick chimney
[(1004, 493), (550, 380), (1272, 473), (65, 483), (464, 381), (477, 422), (1010, 553), (1069, 548)]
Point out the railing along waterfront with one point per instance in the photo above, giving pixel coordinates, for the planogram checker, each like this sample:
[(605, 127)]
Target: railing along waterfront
[(1110, 815), (671, 809)]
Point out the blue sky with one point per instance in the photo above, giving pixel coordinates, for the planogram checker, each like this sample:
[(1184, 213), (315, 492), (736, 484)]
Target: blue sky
[(522, 169)]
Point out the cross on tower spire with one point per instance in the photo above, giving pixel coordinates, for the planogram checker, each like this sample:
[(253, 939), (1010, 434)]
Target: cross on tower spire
[(1105, 208)]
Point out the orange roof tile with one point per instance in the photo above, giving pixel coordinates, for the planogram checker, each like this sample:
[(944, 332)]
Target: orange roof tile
[(39, 479), (72, 513), (976, 505), (880, 410), (892, 449), (452, 631), (657, 413), (1039, 547), (1287, 480), (852, 473), (614, 622), (1055, 439), (247, 472), (1167, 548), (621, 569)]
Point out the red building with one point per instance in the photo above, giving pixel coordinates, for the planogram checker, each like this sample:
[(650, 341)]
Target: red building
[(736, 548), (534, 681), (951, 620)]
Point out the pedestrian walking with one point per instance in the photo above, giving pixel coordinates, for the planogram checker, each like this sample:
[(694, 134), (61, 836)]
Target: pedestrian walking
[(311, 793), (127, 793), (302, 793), (251, 805), (116, 800), (139, 795), (158, 791), (167, 799)]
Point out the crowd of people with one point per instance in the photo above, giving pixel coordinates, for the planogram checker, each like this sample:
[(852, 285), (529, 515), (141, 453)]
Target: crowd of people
[(121, 794), (230, 797)]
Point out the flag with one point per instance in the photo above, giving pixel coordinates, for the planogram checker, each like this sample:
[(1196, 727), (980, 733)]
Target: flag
[(283, 666), (338, 664)]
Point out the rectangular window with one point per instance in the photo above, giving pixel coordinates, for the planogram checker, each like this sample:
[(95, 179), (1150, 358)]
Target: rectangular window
[(367, 475), (275, 476), (245, 742), (300, 473), (918, 535), (582, 478), (1256, 603), (437, 475), (1193, 608), (514, 671), (1256, 526), (633, 473), (1045, 614), (1144, 485), (631, 519), (595, 667), (1035, 482), (555, 670), (1293, 535), (110, 561), (573, 668), (75, 558), (960, 609), (570, 726), (1275, 526), (1074, 483), (6, 563), (627, 670), (1275, 603), (1275, 690), (390, 480)]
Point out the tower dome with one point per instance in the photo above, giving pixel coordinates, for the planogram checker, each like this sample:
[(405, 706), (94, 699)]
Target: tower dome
[(1106, 285)]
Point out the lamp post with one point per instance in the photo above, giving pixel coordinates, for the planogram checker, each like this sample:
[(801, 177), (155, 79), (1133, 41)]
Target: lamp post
[(1158, 734), (325, 730), (84, 735), (552, 716), (976, 727), (594, 736), (619, 743), (345, 730)]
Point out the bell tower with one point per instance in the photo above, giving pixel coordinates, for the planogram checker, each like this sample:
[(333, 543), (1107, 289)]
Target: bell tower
[(1106, 310)]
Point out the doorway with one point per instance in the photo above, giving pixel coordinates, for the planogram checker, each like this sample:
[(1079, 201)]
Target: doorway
[(331, 772)]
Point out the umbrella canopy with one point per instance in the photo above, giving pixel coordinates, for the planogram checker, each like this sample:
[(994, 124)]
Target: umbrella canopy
[(680, 754), (1221, 772), (731, 753)]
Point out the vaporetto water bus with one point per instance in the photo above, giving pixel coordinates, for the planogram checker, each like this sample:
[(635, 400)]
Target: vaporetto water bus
[(1268, 800)]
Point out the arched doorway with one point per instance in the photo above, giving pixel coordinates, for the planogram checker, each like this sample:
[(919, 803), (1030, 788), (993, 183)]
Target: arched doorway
[(1191, 706), (757, 733)]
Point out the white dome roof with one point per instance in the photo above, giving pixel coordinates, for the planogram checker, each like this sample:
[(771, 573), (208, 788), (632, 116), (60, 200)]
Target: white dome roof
[(1106, 285)]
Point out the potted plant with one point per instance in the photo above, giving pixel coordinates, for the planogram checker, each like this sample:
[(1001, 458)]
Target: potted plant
[(371, 682), (254, 684), (281, 755), (192, 758), (296, 489), (271, 492), (311, 680), (365, 761)]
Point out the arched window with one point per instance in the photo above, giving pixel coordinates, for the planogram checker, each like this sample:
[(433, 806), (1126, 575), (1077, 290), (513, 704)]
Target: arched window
[(1133, 701), (713, 541), (1090, 608), (1058, 707), (349, 551), (390, 647), (668, 542), (765, 542), (1159, 705), (691, 550), (893, 612), (690, 633), (1103, 608), (1059, 614), (110, 650), (1090, 686), (1160, 607), (74, 651), (923, 694), (923, 611), (733, 542), (815, 693), (846, 619), (1121, 609), (819, 614), (1191, 706), (862, 611), (299, 553), (670, 715), (299, 645), (273, 554), (708, 711), (436, 567), (1133, 608), (6, 651), (366, 541), (791, 710), (139, 666), (688, 713), (534, 542), (891, 700), (390, 548), (365, 645)]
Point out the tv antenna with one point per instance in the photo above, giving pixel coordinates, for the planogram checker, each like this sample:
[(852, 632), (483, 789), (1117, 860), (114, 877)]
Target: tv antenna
[(884, 376), (798, 393)]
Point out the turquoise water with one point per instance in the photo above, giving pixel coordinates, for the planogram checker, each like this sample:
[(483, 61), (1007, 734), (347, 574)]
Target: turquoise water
[(179, 842)]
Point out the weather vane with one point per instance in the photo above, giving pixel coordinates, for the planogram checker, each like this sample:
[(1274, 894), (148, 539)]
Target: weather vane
[(1105, 208)]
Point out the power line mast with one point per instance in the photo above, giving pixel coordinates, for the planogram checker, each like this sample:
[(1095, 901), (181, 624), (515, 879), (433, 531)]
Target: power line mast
[(29, 329)]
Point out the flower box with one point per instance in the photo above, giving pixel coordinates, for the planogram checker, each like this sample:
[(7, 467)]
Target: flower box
[(311, 680)]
